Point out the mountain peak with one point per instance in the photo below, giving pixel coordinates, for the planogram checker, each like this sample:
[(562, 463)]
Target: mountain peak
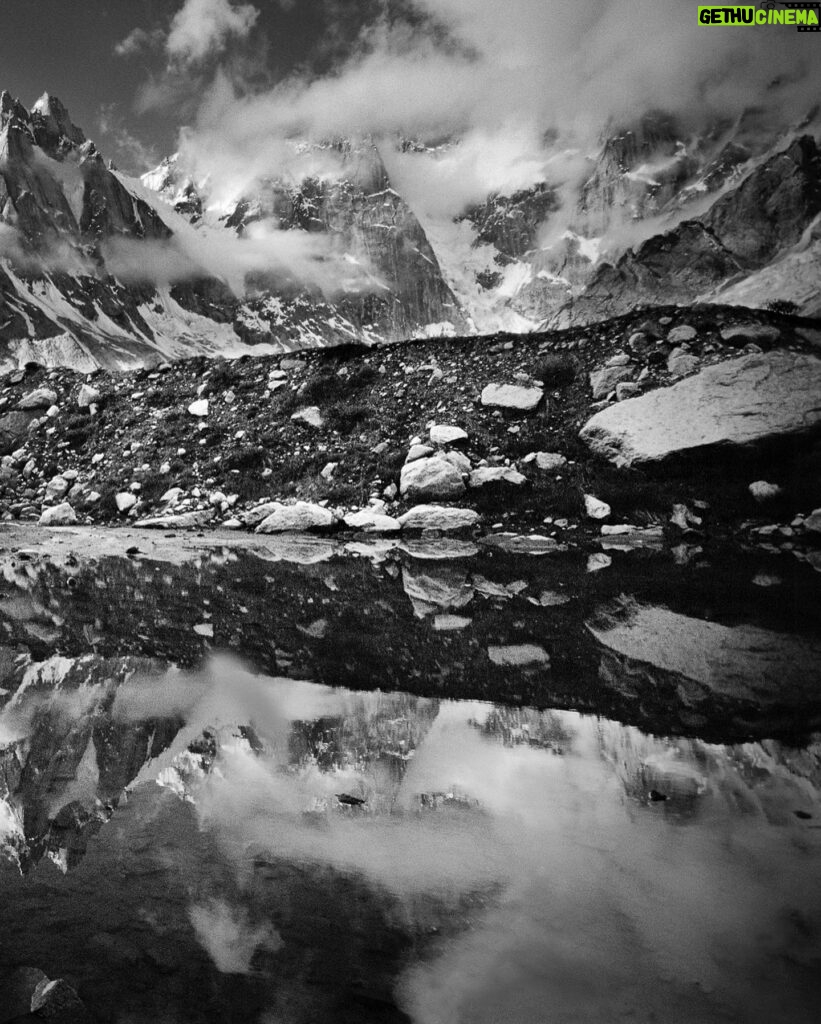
[(53, 125)]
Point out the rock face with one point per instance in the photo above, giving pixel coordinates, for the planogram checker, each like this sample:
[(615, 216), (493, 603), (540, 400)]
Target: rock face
[(58, 197), (738, 402), (742, 231), (434, 477)]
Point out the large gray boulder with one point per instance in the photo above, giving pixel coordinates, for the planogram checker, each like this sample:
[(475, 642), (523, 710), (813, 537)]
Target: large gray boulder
[(58, 515), (297, 518), (437, 517), (435, 478), (743, 401)]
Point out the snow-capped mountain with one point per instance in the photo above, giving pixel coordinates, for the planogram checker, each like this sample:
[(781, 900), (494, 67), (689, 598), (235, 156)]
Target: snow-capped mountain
[(97, 268), (101, 269)]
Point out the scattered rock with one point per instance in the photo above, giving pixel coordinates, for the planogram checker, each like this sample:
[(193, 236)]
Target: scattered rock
[(684, 519), (42, 398), (310, 415), (763, 491), (496, 475), (548, 462), (445, 434), (298, 518), (684, 332), (372, 522), (438, 517), (519, 656), (431, 478), (680, 362), (627, 389), (179, 521), (87, 396), (511, 396), (605, 380), (57, 487), (756, 334), (418, 451), (125, 501), (59, 515), (595, 508), (57, 1001)]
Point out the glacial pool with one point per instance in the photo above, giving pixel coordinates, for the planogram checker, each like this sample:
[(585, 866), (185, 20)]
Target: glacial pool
[(291, 780)]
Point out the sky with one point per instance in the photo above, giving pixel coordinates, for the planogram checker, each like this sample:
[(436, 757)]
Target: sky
[(527, 86)]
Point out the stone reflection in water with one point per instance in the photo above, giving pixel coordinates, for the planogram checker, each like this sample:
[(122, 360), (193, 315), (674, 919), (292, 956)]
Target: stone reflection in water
[(505, 864)]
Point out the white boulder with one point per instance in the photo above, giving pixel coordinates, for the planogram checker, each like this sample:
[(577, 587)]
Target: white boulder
[(512, 396), (756, 397)]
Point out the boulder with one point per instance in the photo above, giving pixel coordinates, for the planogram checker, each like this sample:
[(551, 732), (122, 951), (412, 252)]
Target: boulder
[(125, 501), (179, 521), (87, 396), (310, 415), (627, 389), (549, 462), (199, 408), (457, 459), (57, 1001), (763, 491), (519, 656), (437, 517), (59, 515), (298, 518), (595, 508), (680, 362), (58, 487), (742, 401), (372, 522), (604, 381), (684, 332), (745, 334), (512, 396), (431, 478), (442, 433), (496, 475), (14, 428), (418, 451), (42, 398)]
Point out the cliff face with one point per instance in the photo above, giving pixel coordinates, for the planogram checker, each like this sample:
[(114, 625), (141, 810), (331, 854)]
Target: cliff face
[(742, 232), (68, 215)]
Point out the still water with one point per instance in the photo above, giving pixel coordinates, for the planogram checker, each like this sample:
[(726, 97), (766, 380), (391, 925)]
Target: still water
[(295, 782)]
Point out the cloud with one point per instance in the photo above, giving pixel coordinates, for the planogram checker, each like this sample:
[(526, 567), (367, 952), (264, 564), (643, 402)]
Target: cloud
[(499, 77), (228, 937), (203, 28), (138, 41)]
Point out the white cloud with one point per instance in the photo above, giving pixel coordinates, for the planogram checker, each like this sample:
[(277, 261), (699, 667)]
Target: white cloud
[(510, 73), (202, 28), (228, 937), (139, 40)]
